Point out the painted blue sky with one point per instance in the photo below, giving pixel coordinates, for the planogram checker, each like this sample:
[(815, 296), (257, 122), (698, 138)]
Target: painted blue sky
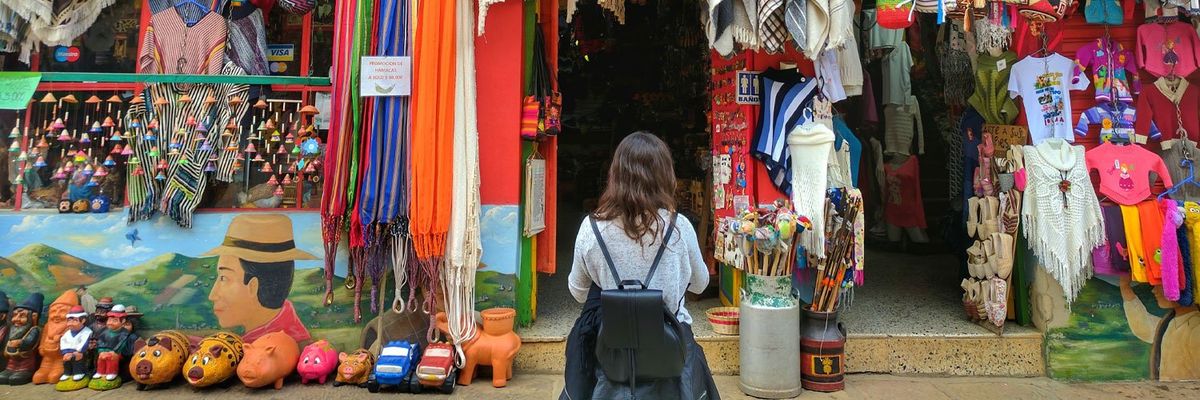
[(100, 238)]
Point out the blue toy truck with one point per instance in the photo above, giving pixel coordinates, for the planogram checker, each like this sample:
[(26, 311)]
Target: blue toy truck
[(397, 361)]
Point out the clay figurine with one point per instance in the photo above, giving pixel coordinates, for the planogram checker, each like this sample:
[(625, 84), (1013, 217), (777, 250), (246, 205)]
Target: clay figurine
[(20, 346), (4, 308), (51, 367), (215, 359), (268, 360), (317, 361), (112, 343), (74, 346), (354, 368), (496, 345), (160, 360)]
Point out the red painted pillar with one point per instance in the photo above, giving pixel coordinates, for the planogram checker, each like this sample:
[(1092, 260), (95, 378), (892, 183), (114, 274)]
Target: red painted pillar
[(498, 56)]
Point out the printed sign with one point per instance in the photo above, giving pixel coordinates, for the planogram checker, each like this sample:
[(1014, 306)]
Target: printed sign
[(321, 120), (16, 88), (535, 197), (386, 76), (281, 52), (66, 54), (747, 87)]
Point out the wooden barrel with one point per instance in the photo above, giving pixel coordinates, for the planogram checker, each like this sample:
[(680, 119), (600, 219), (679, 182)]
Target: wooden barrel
[(822, 352)]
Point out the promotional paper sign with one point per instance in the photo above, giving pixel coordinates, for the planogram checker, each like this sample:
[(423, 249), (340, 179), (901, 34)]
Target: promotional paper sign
[(386, 76), (16, 88), (747, 87)]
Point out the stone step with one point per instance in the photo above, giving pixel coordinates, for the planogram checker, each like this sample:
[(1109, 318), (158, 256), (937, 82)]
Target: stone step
[(1017, 354)]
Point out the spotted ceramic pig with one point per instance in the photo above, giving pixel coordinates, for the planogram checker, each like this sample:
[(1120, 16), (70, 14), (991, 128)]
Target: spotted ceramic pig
[(268, 360), (160, 360), (317, 361), (215, 359), (355, 368)]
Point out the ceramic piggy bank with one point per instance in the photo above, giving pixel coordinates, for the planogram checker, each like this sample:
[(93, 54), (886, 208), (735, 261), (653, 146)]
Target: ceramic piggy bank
[(215, 359), (268, 360), (160, 360), (355, 368), (317, 361)]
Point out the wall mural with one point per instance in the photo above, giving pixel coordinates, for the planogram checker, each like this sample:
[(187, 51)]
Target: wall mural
[(194, 279), (1115, 331)]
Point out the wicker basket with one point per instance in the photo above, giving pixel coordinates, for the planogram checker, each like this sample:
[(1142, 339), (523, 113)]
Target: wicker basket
[(724, 320)]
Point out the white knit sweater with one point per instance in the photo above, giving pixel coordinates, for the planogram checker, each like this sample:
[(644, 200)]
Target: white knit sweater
[(1062, 226)]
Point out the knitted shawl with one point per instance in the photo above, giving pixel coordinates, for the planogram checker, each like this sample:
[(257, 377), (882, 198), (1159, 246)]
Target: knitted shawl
[(745, 26), (809, 146), (719, 32), (1062, 227), (817, 30), (52, 29)]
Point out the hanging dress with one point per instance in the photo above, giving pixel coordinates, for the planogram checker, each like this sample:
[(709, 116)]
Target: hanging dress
[(903, 206)]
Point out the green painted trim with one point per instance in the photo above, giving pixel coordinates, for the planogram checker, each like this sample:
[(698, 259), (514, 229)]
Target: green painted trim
[(176, 78), (527, 46), (525, 271)]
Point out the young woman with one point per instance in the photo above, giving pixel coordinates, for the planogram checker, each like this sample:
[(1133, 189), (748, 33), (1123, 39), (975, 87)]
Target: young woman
[(632, 217)]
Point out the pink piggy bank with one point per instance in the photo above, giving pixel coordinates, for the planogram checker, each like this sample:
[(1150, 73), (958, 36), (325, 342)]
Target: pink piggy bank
[(317, 361), (268, 360)]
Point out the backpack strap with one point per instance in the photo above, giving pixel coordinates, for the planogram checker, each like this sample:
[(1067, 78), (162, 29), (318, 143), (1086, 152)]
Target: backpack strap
[(608, 258)]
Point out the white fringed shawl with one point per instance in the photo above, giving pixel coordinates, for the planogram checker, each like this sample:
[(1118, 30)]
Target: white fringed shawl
[(1061, 234), (463, 249), (809, 146), (52, 29)]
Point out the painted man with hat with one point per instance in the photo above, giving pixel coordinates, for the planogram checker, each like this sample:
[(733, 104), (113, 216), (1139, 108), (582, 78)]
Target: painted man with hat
[(113, 342), (20, 346), (74, 344), (255, 267)]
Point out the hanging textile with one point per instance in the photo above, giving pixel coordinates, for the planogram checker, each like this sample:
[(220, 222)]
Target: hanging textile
[(383, 201), (432, 140), (173, 46), (339, 148), (809, 146), (173, 182), (46, 27), (361, 109), (463, 248)]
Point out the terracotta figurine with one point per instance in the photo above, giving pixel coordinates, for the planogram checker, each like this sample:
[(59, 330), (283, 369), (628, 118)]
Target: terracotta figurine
[(20, 346), (268, 360), (160, 360), (317, 361), (73, 344), (354, 368), (51, 367), (111, 343), (496, 345), (4, 307), (215, 359)]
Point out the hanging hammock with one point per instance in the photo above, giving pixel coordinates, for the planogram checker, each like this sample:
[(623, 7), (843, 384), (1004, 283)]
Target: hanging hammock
[(382, 209), (339, 148), (432, 140), (463, 246)]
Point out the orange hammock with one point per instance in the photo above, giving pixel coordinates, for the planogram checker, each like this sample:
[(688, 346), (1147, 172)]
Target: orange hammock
[(432, 145)]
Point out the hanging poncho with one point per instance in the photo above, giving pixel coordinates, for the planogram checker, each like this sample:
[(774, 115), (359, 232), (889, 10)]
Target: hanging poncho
[(383, 202), (1061, 213), (54, 29), (182, 183), (809, 146), (432, 146)]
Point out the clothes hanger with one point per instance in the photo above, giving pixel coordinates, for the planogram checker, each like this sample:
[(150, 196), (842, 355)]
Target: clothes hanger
[(1189, 180), (192, 10)]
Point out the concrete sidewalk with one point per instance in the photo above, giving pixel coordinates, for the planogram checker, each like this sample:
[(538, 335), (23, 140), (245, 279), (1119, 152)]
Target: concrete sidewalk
[(884, 387)]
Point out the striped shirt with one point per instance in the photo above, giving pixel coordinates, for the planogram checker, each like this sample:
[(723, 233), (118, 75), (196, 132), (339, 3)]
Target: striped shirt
[(172, 47), (786, 102)]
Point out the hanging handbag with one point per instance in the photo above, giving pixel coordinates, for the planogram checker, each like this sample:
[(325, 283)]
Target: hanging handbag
[(549, 100), (639, 337)]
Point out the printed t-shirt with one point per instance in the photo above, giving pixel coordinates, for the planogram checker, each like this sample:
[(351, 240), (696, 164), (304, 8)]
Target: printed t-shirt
[(1125, 171), (1044, 84)]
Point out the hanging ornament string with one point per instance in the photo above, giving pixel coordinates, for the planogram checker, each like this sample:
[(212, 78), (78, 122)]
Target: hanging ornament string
[(432, 145), (337, 163), (463, 247)]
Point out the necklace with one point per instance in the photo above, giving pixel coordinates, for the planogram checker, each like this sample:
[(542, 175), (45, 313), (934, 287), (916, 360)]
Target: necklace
[(1064, 186)]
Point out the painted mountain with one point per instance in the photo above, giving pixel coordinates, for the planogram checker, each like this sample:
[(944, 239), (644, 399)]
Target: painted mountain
[(38, 267)]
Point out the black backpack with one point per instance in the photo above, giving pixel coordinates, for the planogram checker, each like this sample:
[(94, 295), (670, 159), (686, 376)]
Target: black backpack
[(639, 337)]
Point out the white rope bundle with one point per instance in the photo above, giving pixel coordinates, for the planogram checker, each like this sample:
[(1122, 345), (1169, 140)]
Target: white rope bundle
[(463, 243)]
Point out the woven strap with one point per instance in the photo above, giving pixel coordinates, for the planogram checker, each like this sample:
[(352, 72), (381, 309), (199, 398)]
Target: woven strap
[(608, 258)]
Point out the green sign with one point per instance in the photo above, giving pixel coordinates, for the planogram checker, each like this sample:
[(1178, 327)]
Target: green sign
[(16, 88)]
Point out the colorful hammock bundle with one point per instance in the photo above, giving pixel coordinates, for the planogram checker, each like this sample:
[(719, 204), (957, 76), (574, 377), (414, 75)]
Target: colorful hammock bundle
[(174, 182), (432, 145), (382, 209), (337, 191)]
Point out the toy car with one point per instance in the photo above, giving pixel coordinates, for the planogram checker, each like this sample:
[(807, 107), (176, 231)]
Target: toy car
[(436, 369), (395, 366)]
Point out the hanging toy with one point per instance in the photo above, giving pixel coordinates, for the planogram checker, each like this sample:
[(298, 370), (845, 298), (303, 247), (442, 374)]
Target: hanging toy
[(272, 181), (128, 150), (109, 162), (40, 163), (100, 172)]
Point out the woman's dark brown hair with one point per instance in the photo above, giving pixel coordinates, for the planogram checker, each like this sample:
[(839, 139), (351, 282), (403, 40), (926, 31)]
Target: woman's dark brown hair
[(641, 180)]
